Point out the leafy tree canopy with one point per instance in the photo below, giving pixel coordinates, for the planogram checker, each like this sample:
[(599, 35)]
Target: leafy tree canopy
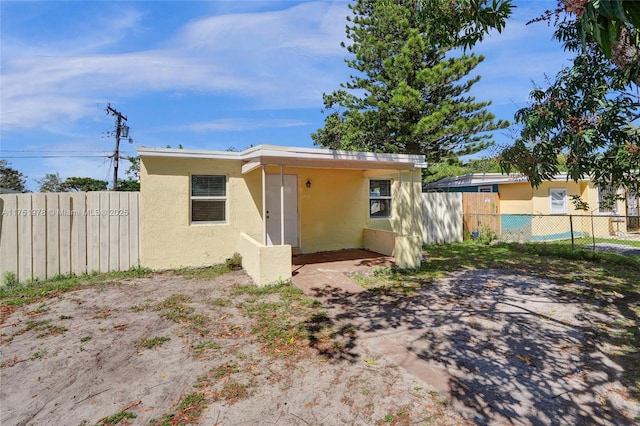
[(612, 25), (76, 184), (410, 91), (10, 178), (51, 182), (452, 166), (128, 185), (587, 114)]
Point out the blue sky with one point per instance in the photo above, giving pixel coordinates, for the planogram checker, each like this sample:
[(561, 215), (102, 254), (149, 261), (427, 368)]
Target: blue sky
[(201, 74)]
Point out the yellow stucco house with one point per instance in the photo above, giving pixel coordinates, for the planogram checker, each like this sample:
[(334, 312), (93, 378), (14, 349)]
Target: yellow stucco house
[(267, 203), (520, 205)]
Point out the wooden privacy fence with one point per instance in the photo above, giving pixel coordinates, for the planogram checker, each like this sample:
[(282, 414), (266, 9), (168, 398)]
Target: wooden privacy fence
[(442, 217), (481, 212), (452, 216), (47, 234)]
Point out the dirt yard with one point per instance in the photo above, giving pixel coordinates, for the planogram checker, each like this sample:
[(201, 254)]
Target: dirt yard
[(88, 357), (476, 347)]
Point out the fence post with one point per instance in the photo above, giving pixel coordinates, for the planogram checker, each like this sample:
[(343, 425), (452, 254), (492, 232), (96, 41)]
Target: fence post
[(593, 233), (571, 229)]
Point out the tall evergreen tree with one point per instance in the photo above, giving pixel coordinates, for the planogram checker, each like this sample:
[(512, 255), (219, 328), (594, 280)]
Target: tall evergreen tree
[(10, 178), (410, 90)]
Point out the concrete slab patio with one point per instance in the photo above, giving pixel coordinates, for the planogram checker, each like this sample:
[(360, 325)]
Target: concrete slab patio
[(325, 272)]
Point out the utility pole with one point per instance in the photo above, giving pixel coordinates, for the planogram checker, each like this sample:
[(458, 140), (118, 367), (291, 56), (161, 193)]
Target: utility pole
[(120, 129)]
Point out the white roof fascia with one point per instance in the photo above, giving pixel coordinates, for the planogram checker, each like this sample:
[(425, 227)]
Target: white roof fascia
[(301, 157), (490, 179), (189, 153)]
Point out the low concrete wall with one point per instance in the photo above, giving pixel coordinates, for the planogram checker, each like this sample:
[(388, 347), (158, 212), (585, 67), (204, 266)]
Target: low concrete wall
[(380, 241), (264, 264), (408, 251)]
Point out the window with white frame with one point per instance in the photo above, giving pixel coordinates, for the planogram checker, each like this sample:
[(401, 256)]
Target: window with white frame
[(558, 198), (607, 197), (485, 188), (208, 198), (379, 198)]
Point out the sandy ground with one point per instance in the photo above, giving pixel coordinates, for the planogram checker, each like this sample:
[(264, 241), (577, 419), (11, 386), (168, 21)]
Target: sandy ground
[(76, 360), (483, 347)]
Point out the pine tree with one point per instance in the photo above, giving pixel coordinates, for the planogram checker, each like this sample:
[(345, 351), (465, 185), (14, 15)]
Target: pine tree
[(410, 90), (10, 178)]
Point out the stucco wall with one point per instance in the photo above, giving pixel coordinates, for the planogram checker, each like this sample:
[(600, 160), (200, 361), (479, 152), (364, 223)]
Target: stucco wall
[(265, 264), (332, 212), (167, 238), (515, 198)]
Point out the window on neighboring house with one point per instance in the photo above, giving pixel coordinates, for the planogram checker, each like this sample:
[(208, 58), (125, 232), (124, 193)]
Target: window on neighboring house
[(558, 198), (208, 198), (379, 198), (606, 199), (487, 188)]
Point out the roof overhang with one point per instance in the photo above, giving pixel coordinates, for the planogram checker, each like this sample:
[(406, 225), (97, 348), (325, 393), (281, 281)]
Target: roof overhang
[(481, 179), (270, 155)]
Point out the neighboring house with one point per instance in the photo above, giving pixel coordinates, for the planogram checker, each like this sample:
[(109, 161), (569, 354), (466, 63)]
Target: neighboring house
[(517, 198), (269, 202)]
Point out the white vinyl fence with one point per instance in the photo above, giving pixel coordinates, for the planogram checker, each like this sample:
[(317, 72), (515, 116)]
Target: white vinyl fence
[(47, 234), (442, 217)]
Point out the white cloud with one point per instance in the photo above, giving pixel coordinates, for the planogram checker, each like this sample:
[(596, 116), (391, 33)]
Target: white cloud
[(274, 59), (240, 125)]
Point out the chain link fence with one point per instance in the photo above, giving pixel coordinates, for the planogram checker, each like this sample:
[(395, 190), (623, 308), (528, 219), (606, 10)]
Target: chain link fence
[(598, 232)]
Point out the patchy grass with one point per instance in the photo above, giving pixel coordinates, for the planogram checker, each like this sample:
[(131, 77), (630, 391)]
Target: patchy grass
[(282, 317), (204, 345), (177, 309), (116, 418), (152, 342), (19, 294), (203, 273), (189, 409)]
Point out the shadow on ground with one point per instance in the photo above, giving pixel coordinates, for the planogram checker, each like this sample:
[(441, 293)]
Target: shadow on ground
[(505, 347)]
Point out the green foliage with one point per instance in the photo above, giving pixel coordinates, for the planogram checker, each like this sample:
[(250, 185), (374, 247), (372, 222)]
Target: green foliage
[(51, 182), (132, 183), (152, 342), (75, 184), (128, 185), (10, 279), (10, 178), (452, 166), (464, 22), (606, 22), (410, 93), (579, 203), (234, 261), (29, 292), (485, 235), (116, 418), (586, 114)]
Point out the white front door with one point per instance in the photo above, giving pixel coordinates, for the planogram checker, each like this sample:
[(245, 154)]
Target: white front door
[(273, 184)]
